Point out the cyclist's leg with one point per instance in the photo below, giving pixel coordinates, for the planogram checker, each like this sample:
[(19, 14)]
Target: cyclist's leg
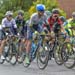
[(1, 48), (28, 46), (67, 37)]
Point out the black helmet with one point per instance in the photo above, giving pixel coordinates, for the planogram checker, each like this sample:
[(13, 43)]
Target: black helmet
[(55, 11), (21, 12), (62, 18)]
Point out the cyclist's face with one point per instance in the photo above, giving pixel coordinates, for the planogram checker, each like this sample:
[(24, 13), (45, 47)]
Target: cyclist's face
[(41, 13), (9, 17), (20, 16), (55, 16)]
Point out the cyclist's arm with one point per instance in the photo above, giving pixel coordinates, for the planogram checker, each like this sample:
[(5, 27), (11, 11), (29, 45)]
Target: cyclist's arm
[(46, 19), (63, 29), (31, 23), (14, 27), (47, 23), (3, 23), (14, 24)]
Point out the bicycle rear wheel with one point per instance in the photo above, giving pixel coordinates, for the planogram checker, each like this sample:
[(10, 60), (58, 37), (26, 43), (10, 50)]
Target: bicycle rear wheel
[(68, 55), (57, 53)]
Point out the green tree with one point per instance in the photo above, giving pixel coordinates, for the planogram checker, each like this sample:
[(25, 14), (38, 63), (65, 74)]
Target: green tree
[(15, 4), (50, 4)]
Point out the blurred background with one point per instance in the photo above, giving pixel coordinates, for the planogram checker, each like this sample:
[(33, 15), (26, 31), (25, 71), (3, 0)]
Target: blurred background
[(29, 6)]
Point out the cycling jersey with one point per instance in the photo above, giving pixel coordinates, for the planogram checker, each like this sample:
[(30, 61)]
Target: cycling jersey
[(65, 23), (20, 22), (52, 21), (10, 24), (36, 20), (6, 23), (71, 23), (37, 23), (22, 28)]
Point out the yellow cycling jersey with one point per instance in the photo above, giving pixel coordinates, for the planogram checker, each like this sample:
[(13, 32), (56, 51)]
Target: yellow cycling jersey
[(70, 24)]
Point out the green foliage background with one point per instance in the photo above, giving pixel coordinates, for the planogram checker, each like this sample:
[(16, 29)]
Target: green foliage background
[(28, 6)]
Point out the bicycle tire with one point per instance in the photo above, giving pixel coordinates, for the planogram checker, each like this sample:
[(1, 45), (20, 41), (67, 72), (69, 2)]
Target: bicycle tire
[(66, 55)]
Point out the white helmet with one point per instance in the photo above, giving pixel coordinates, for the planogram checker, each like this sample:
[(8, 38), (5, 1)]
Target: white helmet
[(8, 13)]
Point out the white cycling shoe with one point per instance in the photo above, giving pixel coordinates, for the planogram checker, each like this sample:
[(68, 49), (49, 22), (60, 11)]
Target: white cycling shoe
[(2, 57)]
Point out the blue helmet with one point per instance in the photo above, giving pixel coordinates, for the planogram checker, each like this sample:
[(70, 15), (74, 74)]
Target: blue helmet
[(40, 7)]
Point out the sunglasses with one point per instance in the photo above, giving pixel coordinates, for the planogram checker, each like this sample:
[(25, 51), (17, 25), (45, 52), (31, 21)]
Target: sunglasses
[(56, 16), (20, 14), (41, 11), (10, 15)]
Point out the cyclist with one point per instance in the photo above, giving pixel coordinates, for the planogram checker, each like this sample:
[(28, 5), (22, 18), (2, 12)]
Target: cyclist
[(22, 26), (71, 22), (20, 22), (1, 40), (37, 21), (55, 18), (64, 20), (56, 26), (9, 24)]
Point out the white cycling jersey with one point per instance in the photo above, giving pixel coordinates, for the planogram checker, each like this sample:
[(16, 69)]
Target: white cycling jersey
[(7, 23)]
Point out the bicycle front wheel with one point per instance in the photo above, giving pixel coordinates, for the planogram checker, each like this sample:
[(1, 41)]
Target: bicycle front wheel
[(42, 56)]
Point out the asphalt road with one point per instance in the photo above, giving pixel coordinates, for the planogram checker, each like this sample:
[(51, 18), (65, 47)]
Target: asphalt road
[(18, 69)]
